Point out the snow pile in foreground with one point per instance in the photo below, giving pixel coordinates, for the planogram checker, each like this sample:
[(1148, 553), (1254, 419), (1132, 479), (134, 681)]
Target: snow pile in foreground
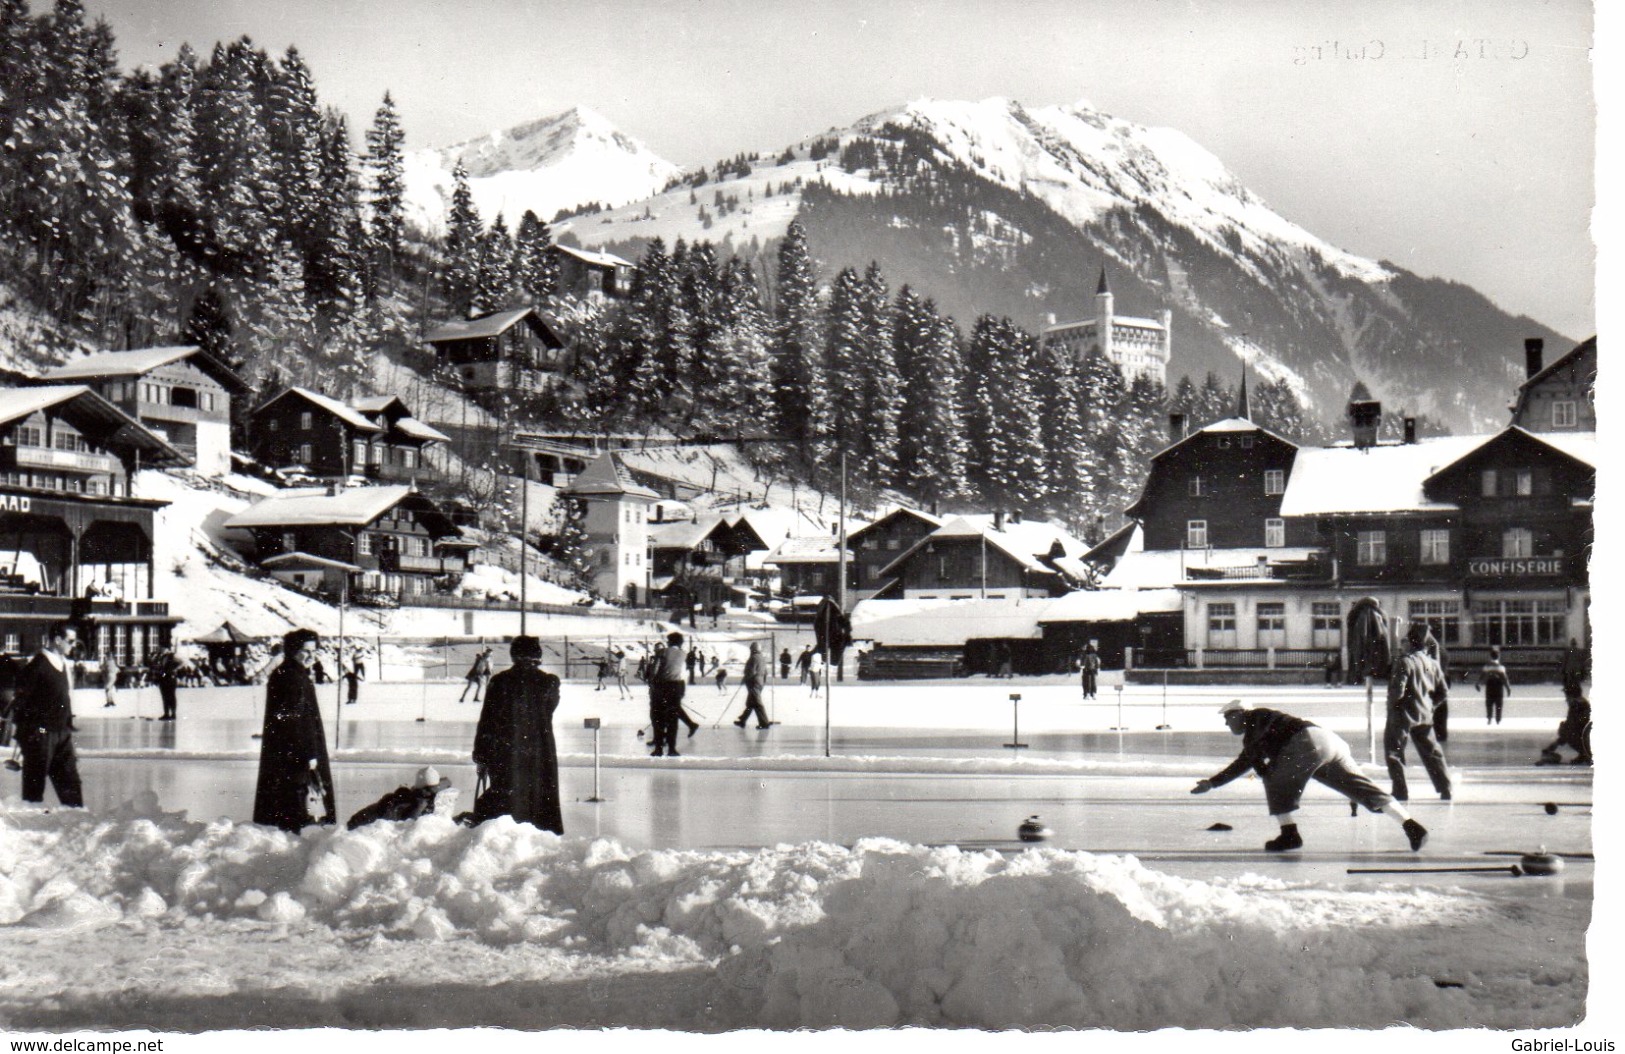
[(148, 918)]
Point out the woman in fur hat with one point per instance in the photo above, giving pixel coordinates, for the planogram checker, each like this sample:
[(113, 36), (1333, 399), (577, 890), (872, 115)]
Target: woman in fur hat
[(293, 744), (514, 749)]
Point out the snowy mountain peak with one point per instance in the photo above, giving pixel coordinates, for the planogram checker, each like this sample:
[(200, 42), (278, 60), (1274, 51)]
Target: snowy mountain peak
[(552, 163)]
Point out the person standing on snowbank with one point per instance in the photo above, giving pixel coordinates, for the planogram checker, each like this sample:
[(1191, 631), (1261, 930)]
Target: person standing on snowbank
[(43, 713), (514, 749), (293, 744), (1287, 752), (1415, 687)]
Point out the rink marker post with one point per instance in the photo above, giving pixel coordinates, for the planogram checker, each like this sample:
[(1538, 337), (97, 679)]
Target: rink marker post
[(1119, 727), (1015, 730), (593, 723)]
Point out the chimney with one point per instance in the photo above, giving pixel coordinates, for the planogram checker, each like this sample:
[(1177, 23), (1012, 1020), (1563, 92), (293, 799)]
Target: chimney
[(1176, 427), (998, 519), (1534, 349), (1410, 430), (1364, 416), (933, 506), (1049, 318)]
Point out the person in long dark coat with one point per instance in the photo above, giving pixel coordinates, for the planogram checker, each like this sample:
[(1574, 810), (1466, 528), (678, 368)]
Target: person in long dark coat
[(514, 749), (168, 677), (293, 745)]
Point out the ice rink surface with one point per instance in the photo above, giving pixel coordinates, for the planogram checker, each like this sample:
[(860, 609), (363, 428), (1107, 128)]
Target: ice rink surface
[(925, 763)]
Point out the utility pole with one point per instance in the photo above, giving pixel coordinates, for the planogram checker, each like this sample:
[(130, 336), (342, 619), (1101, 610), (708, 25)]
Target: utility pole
[(524, 518), (840, 565)]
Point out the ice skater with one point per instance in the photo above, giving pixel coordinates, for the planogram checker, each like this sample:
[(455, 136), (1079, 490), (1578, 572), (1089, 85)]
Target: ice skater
[(666, 689), (1573, 731), (722, 678), (477, 675), (1089, 667), (620, 674), (1415, 687), (804, 663), (815, 672), (1493, 682), (755, 674), (110, 678), (1287, 752)]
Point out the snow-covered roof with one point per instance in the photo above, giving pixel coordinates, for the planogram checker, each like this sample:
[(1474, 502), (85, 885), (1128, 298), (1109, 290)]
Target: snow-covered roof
[(298, 561), (901, 510), (377, 404), (1110, 605), (593, 256), (683, 534), (1581, 446), (947, 622), (1383, 478), (1023, 540), (315, 507), (142, 361), (492, 325), (411, 426), (815, 549), (607, 474), (349, 415), (1163, 568), (77, 399)]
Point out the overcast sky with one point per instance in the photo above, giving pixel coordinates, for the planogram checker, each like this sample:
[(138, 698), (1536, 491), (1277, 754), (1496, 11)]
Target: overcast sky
[(1453, 137)]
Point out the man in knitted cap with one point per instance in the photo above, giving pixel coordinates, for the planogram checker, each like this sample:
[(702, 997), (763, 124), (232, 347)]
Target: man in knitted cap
[(514, 747), (1416, 687), (1287, 752)]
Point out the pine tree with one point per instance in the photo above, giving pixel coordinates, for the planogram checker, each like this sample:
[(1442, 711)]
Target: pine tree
[(700, 293), (234, 161), (1004, 435), (748, 381), (293, 116), (801, 401), (493, 288), (536, 271), (845, 365), (1101, 395), (882, 385), (931, 436), (385, 165), (572, 547), (1068, 462), (463, 233), (208, 325), (336, 262)]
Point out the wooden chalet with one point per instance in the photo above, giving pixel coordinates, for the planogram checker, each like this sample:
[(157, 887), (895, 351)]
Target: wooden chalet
[(316, 434), (514, 350)]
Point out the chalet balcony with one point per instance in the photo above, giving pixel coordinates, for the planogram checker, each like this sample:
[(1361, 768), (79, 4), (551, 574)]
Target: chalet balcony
[(1310, 570), (401, 473), (44, 605), (59, 460), (402, 563)]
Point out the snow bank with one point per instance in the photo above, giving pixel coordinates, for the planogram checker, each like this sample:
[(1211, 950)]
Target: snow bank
[(813, 935)]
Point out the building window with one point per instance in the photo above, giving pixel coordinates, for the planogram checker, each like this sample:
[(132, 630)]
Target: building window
[(1443, 617), (1563, 414), (304, 452), (1194, 487), (409, 458), (893, 544), (1196, 534), (304, 420), (359, 453), (1221, 625), (363, 543), (14, 643), (1489, 486), (272, 425), (1436, 547), (1327, 624), (1271, 624), (1504, 622), (290, 542), (1275, 481), (1525, 482), (1274, 533), (1371, 548), (417, 545), (1246, 442), (1517, 542)]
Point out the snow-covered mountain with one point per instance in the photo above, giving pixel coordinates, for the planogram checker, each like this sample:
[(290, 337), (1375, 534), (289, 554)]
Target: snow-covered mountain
[(989, 207), (557, 162)]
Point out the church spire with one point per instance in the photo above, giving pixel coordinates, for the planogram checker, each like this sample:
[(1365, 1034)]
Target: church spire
[(1243, 407), (1101, 286)]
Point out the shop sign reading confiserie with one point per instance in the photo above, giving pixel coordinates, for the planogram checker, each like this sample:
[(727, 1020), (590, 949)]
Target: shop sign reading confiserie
[(1515, 567)]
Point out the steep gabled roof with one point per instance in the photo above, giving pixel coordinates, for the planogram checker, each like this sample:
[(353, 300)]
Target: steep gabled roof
[(902, 510), (350, 416), (1585, 347), (87, 411), (1576, 446), (377, 404), (411, 426), (492, 325), (1388, 477), (592, 256), (1012, 543), (354, 507), (606, 475), (141, 361)]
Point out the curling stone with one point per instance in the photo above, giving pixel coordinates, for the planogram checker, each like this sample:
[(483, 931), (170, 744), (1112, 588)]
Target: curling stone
[(1032, 829), (1541, 863), (1551, 808)]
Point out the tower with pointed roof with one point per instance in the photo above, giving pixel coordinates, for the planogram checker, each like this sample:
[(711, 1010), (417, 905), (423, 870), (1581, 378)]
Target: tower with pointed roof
[(617, 526), (1140, 347)]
